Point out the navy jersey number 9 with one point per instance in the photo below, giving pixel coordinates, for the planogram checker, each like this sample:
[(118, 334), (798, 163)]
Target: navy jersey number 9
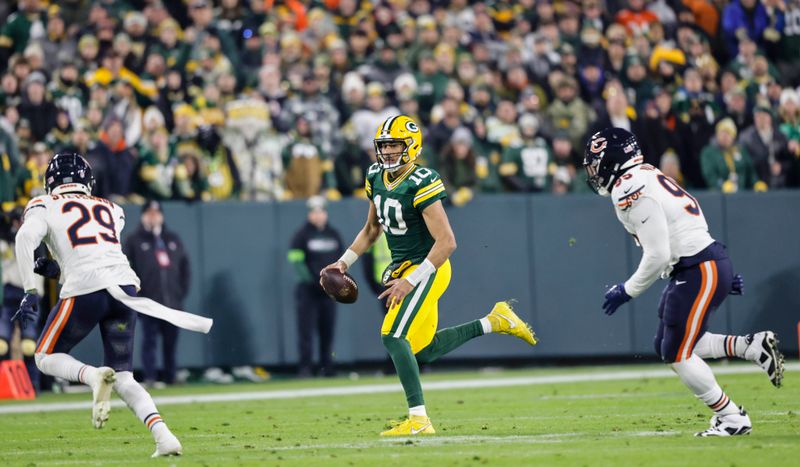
[(693, 207), (101, 214)]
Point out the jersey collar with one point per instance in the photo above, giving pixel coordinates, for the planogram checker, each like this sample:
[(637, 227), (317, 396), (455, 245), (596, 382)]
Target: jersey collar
[(393, 184)]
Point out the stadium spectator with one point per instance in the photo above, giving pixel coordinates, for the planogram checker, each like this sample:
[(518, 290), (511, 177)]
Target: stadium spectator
[(569, 113), (9, 165), (457, 166), (768, 148), (365, 121), (525, 162), (57, 46), (21, 28), (637, 17), (36, 107), (315, 245), (744, 19), (158, 257), (223, 179), (319, 111), (30, 176), (122, 161), (307, 168), (727, 166)]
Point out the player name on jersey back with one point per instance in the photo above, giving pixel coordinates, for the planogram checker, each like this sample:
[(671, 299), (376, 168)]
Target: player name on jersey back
[(83, 235)]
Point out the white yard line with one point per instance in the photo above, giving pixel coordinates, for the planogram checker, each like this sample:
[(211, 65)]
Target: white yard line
[(388, 388)]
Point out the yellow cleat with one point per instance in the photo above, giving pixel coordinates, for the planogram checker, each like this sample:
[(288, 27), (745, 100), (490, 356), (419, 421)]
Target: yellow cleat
[(412, 426), (505, 321)]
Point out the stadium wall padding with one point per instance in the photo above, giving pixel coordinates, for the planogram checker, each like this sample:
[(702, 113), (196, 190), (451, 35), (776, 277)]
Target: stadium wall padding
[(555, 255)]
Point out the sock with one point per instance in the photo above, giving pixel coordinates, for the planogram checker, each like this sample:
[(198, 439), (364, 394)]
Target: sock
[(720, 345), (418, 411), (140, 403), (407, 369), (449, 339), (486, 325), (697, 376), (62, 365)]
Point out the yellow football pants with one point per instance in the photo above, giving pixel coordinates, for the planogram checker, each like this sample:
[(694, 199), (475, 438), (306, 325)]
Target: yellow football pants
[(415, 318)]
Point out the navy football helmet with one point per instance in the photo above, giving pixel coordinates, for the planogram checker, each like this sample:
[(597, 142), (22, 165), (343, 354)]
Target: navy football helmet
[(68, 172), (608, 154)]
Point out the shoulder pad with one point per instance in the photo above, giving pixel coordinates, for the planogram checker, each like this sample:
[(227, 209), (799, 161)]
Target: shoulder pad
[(373, 169), (38, 202), (425, 173), (42, 201)]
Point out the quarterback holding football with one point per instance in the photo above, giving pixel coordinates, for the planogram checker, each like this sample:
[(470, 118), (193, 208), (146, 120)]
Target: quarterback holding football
[(406, 206)]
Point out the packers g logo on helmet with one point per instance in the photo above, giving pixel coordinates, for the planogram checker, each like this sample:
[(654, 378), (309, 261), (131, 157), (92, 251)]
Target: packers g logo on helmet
[(398, 129)]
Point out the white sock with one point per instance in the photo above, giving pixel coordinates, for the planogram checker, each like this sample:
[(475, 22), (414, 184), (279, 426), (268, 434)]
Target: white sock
[(487, 326), (62, 365), (140, 402), (418, 411), (720, 345), (698, 377)]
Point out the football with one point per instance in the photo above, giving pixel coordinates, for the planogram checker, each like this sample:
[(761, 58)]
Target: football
[(339, 286)]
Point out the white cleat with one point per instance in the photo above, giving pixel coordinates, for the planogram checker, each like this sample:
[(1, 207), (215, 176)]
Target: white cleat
[(168, 446), (736, 424), (102, 382), (762, 349)]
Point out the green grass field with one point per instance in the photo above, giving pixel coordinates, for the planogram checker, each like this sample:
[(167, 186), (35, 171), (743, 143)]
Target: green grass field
[(639, 421)]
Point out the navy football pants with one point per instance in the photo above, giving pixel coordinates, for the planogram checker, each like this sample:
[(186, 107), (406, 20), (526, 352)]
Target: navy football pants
[(687, 302), (73, 318)]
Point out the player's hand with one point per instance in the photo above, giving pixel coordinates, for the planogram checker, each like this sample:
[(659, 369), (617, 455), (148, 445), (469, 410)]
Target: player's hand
[(47, 268), (396, 290), (338, 265), (737, 285), (28, 310), (615, 298)]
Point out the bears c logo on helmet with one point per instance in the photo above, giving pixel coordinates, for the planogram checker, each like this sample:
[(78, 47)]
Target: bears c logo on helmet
[(598, 145)]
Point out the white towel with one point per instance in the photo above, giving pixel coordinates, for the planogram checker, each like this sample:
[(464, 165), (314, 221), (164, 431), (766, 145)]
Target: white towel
[(152, 308)]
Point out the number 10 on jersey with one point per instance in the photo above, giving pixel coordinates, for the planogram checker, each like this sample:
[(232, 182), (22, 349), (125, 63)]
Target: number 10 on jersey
[(385, 215)]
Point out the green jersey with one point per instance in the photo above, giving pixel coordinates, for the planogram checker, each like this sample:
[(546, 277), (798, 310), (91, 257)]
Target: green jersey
[(400, 203)]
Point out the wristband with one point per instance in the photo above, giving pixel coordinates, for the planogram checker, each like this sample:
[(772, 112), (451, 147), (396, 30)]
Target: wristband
[(421, 273), (349, 257)]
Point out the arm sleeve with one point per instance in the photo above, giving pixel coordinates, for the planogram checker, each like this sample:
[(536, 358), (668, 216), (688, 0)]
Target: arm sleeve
[(650, 225), (28, 238)]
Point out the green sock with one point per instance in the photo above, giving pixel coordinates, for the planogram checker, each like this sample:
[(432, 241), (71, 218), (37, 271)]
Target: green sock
[(449, 339), (407, 368)]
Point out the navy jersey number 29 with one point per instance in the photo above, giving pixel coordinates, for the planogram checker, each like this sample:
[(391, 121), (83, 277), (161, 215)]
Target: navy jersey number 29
[(101, 214)]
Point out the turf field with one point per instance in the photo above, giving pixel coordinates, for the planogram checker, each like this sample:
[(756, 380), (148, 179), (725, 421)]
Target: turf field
[(626, 415)]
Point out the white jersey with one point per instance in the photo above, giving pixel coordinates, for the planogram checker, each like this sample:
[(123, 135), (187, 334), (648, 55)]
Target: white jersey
[(82, 233), (666, 221)]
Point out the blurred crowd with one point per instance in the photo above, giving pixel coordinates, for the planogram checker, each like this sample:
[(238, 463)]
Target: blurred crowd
[(279, 99)]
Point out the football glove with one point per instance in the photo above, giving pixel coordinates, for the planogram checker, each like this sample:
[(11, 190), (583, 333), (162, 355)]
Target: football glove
[(28, 310), (47, 268), (615, 298), (737, 286)]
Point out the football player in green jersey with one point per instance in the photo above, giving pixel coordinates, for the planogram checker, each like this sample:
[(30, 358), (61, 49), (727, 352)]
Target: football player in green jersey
[(407, 206)]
